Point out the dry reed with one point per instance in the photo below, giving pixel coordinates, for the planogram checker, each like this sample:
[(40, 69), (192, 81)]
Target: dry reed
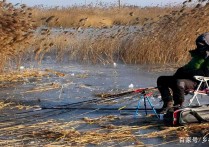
[(18, 34), (169, 39), (16, 27), (162, 40), (91, 16), (52, 132), (18, 76), (50, 86), (10, 78)]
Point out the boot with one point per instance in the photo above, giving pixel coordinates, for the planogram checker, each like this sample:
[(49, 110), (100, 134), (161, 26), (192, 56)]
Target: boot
[(167, 105), (178, 104)]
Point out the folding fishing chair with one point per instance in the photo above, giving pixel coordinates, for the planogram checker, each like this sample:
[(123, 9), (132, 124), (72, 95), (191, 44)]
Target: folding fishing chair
[(198, 91), (146, 97)]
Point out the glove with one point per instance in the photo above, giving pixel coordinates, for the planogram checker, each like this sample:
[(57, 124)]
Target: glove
[(207, 54)]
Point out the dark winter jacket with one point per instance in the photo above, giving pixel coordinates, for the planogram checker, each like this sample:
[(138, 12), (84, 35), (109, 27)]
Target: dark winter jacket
[(198, 65)]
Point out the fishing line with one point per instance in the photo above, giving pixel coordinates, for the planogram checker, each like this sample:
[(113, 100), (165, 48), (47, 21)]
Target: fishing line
[(74, 109)]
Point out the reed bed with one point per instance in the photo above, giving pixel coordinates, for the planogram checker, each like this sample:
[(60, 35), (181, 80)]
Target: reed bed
[(91, 16), (169, 39), (16, 31), (164, 40), (18, 34)]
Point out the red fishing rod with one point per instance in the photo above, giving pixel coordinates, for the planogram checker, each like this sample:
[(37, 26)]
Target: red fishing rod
[(139, 90)]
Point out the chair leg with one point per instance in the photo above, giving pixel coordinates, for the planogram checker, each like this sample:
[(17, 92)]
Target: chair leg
[(153, 108), (198, 101), (193, 98), (145, 105), (137, 109), (196, 93)]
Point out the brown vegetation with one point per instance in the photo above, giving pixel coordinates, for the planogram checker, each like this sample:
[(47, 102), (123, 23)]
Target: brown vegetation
[(98, 17), (169, 39), (18, 34), (105, 131), (161, 40), (16, 28)]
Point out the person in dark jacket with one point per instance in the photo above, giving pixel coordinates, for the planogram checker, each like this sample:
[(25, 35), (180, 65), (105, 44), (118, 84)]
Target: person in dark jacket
[(172, 88)]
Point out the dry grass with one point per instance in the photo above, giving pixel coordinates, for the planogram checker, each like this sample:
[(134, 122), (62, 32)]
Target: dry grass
[(3, 105), (103, 132), (46, 87), (163, 39), (98, 17), (169, 39), (60, 133), (17, 28), (8, 105), (18, 76), (10, 79), (16, 31)]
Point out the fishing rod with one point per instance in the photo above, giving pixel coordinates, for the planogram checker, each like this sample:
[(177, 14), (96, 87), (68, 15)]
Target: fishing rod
[(21, 121), (72, 106), (139, 90), (82, 103), (73, 109), (117, 95), (97, 109), (105, 108), (101, 108), (69, 105), (103, 101), (111, 97)]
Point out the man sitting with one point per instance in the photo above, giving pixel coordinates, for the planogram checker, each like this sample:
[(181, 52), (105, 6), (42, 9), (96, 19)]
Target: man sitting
[(172, 88)]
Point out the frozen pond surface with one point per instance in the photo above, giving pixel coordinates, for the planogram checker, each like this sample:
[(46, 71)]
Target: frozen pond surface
[(81, 83)]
